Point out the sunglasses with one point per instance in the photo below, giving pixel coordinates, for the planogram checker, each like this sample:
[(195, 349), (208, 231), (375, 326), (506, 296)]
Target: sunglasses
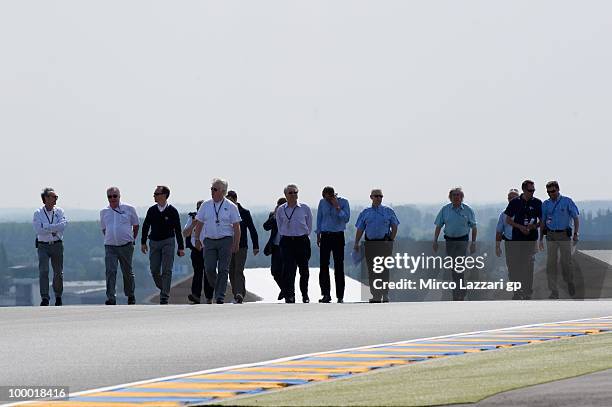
[(214, 189), (551, 191), (158, 193), (53, 196), (112, 196), (292, 192), (376, 196)]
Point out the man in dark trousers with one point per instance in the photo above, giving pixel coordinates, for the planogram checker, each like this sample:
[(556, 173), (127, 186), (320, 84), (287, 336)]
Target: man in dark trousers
[(524, 214), (236, 272), (273, 247), (332, 216), (49, 223), (197, 262), (165, 224), (294, 221)]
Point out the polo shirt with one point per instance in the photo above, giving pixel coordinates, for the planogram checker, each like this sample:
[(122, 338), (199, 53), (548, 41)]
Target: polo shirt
[(524, 213)]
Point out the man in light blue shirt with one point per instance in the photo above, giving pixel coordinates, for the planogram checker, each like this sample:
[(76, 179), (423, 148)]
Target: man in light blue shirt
[(503, 231), (559, 214), (379, 223), (458, 220), (332, 216), (294, 221)]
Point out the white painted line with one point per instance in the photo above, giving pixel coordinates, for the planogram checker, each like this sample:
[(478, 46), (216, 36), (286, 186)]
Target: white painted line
[(290, 358)]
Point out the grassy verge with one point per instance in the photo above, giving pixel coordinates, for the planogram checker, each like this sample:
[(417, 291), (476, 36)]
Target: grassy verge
[(457, 379)]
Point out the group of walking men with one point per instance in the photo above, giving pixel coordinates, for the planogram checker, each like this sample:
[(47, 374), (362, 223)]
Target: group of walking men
[(217, 237)]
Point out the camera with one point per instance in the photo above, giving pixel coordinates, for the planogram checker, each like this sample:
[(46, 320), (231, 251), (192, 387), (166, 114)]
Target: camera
[(192, 214)]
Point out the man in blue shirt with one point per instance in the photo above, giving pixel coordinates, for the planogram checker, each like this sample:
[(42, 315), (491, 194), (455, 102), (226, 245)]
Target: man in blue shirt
[(458, 220), (524, 214), (332, 216), (503, 232), (379, 223), (294, 222), (558, 214)]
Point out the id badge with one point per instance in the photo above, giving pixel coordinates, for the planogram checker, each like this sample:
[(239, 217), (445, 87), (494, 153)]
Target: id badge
[(549, 221)]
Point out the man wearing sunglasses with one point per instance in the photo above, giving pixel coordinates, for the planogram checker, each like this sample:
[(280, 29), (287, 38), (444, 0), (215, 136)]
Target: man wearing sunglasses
[(559, 214), (49, 223), (218, 223), (165, 224), (379, 223), (524, 214), (120, 225), (294, 221)]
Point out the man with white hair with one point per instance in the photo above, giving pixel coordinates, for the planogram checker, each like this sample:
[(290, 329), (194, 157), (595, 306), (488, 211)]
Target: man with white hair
[(458, 220), (294, 221), (120, 224), (219, 220)]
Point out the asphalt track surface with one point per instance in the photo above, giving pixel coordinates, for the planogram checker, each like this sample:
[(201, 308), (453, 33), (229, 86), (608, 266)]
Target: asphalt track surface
[(86, 347)]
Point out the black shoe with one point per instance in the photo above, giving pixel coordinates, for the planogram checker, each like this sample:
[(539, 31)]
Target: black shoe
[(517, 296), (110, 302), (386, 299), (281, 296), (131, 300), (571, 289), (554, 295), (163, 301), (193, 299), (238, 299), (44, 302), (290, 300), (219, 301), (340, 300), (58, 301), (326, 299), (209, 300), (374, 301), (305, 299)]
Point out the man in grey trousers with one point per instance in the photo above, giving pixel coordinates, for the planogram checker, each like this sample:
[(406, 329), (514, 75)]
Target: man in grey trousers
[(120, 224), (165, 224), (220, 220), (49, 223)]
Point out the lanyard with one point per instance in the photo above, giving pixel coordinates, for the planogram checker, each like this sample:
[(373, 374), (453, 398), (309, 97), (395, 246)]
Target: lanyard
[(292, 212), (555, 207), (217, 211), (119, 212), (47, 216)]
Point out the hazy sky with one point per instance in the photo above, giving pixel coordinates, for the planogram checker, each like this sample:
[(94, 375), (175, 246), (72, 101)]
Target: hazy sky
[(411, 96)]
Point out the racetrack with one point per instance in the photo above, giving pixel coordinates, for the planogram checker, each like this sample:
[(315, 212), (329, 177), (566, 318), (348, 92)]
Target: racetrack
[(86, 347)]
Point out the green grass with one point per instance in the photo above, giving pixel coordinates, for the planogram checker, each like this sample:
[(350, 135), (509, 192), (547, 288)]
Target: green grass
[(456, 379)]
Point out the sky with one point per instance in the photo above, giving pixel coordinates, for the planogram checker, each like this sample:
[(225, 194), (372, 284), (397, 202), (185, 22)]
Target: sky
[(413, 97)]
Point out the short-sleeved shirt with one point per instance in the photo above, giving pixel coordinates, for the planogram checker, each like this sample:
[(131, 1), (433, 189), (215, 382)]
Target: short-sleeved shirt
[(524, 213), (330, 219), (193, 237), (376, 221), (503, 227), (559, 214), (457, 221), (218, 218), (296, 221), (118, 224)]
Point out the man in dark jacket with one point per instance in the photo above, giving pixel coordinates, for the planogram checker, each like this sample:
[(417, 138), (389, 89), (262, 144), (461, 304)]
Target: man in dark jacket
[(236, 272), (273, 247), (165, 224)]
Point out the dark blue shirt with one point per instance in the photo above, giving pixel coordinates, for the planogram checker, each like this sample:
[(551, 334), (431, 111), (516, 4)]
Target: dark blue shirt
[(524, 213)]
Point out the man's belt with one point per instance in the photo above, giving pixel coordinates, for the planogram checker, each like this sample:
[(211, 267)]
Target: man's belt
[(51, 242)]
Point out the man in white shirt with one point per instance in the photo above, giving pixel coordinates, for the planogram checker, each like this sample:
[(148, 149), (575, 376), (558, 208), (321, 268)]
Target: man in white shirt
[(119, 223), (218, 222), (49, 223)]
